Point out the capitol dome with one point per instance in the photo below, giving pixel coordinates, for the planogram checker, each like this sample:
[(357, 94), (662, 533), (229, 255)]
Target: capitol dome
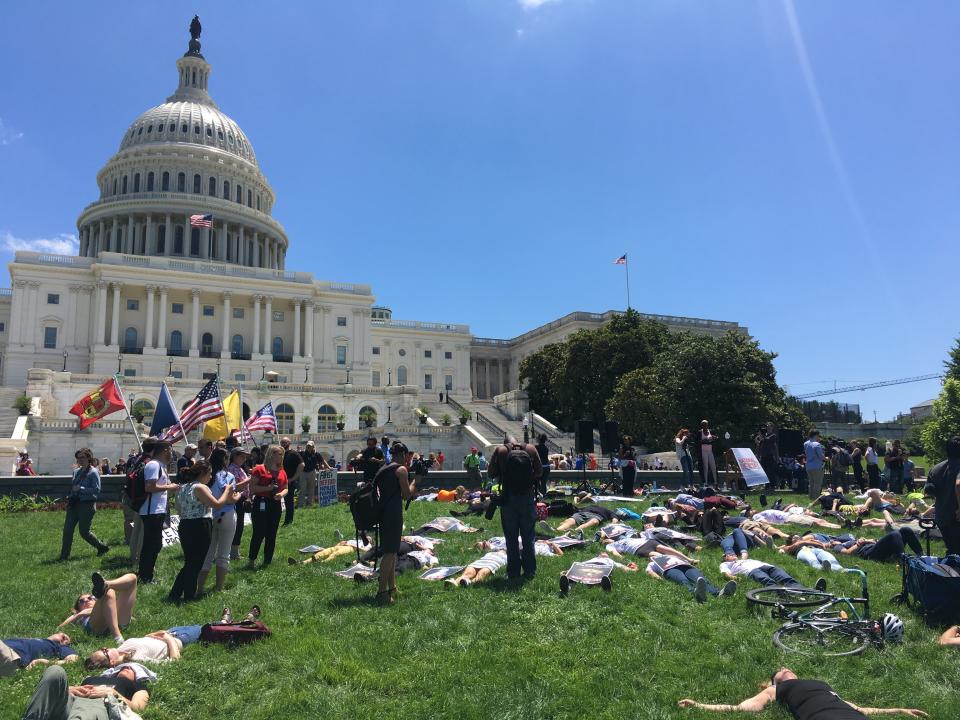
[(179, 161)]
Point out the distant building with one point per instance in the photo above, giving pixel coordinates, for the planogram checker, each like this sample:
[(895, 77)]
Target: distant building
[(922, 410)]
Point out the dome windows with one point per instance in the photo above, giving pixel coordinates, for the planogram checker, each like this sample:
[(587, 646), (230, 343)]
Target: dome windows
[(149, 182), (209, 132), (184, 128), (220, 134), (196, 129), (181, 182), (140, 130), (149, 129), (226, 190), (196, 184), (212, 187), (136, 182), (165, 182), (123, 187)]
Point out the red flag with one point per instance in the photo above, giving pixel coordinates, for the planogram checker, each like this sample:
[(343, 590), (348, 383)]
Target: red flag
[(97, 404)]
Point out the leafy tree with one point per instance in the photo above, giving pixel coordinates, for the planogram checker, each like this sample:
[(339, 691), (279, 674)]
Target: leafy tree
[(913, 441), (952, 363), (945, 422), (542, 371), (729, 379)]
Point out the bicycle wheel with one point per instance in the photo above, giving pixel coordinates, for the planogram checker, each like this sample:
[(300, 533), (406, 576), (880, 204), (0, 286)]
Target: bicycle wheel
[(822, 638), (788, 596)]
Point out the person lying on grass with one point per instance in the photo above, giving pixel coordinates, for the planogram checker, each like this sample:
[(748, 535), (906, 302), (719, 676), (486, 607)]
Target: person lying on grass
[(757, 527), (99, 697), (805, 699), (602, 561), (31, 652), (160, 646), (642, 546), (951, 636), (910, 519), (812, 552), (889, 547), (677, 570), (795, 514), (498, 542), (480, 570), (586, 517), (760, 572), (673, 538), (108, 609), (413, 553), (739, 542), (344, 547)]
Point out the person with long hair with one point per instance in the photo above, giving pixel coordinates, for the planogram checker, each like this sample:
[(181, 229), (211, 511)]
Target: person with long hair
[(394, 485), (240, 468), (196, 505), (682, 444), (225, 518), (708, 463), (628, 465), (82, 504), (108, 609), (268, 486), (873, 463)]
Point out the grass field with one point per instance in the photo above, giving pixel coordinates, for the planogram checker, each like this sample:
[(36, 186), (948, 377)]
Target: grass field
[(482, 652)]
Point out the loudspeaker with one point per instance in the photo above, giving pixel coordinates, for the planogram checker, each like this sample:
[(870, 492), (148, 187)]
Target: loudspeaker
[(790, 442), (584, 436), (610, 437)]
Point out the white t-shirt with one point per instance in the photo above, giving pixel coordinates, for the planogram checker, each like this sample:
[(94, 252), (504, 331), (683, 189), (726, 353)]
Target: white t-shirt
[(156, 503), (871, 456), (629, 546), (492, 561), (741, 567), (771, 516), (424, 558), (146, 649)]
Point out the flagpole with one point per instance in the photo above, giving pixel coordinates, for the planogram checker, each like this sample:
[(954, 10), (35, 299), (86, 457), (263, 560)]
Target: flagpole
[(179, 424), (226, 420), (626, 267), (136, 435)]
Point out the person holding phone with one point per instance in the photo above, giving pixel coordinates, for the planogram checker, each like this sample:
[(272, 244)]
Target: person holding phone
[(708, 463), (268, 486)]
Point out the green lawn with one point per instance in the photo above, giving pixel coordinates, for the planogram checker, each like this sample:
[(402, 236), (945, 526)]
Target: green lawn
[(482, 652)]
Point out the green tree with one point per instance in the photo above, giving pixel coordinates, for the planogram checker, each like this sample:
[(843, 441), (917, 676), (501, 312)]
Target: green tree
[(729, 379), (945, 422), (952, 363), (541, 372)]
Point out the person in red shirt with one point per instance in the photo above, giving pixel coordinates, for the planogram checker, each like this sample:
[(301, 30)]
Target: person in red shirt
[(440, 458), (268, 485)]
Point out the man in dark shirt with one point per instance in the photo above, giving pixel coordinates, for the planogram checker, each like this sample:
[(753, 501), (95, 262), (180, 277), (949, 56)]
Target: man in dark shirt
[(805, 699), (312, 462), (371, 459), (292, 466), (769, 453), (38, 651), (945, 477), (186, 460), (894, 463)]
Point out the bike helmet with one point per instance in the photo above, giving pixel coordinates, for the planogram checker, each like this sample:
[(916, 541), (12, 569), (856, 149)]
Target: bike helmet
[(892, 628)]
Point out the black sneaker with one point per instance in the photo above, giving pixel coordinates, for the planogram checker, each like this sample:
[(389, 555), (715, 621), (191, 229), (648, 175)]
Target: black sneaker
[(820, 585), (99, 585), (763, 500), (103, 550), (606, 583), (564, 585)]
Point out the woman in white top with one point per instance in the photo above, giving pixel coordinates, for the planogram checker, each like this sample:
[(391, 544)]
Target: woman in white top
[(682, 441), (873, 463), (196, 504), (225, 518)]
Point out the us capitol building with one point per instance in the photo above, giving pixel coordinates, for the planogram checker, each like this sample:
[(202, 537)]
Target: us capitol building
[(152, 298)]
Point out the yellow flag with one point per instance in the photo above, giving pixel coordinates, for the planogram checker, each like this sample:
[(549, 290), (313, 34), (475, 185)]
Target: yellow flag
[(220, 427)]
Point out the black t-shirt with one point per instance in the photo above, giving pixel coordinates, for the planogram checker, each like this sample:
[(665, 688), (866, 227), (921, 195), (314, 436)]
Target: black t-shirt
[(814, 700), (544, 452), (605, 513), (127, 688), (944, 478), (370, 468), (310, 461), (894, 458), (291, 461), (768, 446)]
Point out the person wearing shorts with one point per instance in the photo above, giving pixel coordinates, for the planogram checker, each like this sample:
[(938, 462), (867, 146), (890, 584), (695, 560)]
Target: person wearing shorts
[(108, 609), (586, 518)]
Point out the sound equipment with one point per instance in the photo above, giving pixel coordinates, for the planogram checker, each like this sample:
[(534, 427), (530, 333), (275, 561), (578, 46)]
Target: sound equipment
[(790, 442), (610, 438), (584, 436)]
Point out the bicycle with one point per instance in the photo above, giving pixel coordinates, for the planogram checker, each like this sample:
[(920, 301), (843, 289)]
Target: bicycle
[(834, 626)]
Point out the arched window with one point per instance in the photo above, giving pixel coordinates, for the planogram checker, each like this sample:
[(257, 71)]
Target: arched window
[(196, 184), (178, 240), (149, 182), (176, 341), (136, 182), (258, 201), (206, 344), (129, 339), (226, 190), (165, 182), (181, 182), (237, 346), (195, 242), (239, 195), (277, 347), (368, 414), (285, 418), (142, 411), (123, 188), (212, 187), (326, 419), (401, 375)]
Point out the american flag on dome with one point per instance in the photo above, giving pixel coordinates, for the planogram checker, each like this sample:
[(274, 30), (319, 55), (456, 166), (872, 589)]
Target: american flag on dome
[(265, 421), (205, 406), (622, 260), (201, 220)]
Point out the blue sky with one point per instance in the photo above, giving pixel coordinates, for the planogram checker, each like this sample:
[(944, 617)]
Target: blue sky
[(790, 166)]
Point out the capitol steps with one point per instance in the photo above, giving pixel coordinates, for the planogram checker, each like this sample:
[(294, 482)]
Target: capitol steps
[(8, 413)]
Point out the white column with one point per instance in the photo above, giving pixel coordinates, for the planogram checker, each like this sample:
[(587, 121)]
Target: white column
[(162, 331), (222, 245), (296, 328), (194, 321), (225, 342), (101, 240), (268, 328), (101, 312), (325, 335), (256, 324), (148, 339), (308, 326), (167, 248), (115, 320)]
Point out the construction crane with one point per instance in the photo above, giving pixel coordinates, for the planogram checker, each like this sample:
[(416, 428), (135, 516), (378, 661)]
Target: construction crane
[(883, 383)]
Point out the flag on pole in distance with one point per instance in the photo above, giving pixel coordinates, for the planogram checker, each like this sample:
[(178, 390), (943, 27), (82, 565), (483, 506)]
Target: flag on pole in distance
[(622, 260), (219, 428), (99, 403), (166, 413)]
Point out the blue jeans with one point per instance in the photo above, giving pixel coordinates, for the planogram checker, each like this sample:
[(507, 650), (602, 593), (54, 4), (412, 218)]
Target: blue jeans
[(770, 575), (686, 464), (688, 578), (896, 480), (518, 515), (736, 542), (187, 634)]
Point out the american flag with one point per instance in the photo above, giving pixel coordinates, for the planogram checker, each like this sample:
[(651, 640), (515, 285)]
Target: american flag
[(264, 421), (622, 260), (205, 406), (201, 220)]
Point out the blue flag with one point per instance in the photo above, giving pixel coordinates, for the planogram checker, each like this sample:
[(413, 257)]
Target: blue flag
[(166, 413)]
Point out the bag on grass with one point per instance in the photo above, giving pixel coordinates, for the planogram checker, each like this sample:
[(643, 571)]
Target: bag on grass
[(238, 633), (934, 585)]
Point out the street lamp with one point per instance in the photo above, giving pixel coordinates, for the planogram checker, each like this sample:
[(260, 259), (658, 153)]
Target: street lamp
[(348, 374), (388, 413), (306, 374), (389, 381), (64, 360), (263, 370), (119, 360), (170, 367), (218, 368)]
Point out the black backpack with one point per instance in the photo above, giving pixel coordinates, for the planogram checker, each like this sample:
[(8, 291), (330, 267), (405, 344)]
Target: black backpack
[(366, 504), (516, 471), (135, 486)]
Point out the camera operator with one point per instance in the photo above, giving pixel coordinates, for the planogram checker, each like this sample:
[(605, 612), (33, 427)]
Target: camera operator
[(769, 452), (517, 467), (394, 484)]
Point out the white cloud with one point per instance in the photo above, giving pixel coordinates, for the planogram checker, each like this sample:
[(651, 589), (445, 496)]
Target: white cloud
[(8, 135), (534, 4), (62, 244)]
